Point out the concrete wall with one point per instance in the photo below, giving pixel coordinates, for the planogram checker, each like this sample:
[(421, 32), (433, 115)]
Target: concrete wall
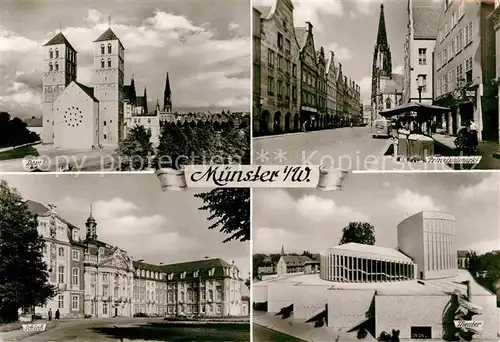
[(280, 294), (403, 312), (348, 308), (411, 240), (259, 292), (308, 299)]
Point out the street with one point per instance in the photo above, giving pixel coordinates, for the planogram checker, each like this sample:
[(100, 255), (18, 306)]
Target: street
[(344, 148), (135, 329)]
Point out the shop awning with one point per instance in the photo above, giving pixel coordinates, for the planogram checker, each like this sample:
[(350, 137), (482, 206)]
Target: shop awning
[(422, 110)]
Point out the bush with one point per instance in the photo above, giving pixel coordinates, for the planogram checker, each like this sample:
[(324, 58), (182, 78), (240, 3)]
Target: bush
[(141, 314), (87, 316)]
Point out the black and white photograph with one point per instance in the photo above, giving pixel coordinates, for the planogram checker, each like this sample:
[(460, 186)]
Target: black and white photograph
[(104, 85), (113, 258), (391, 257), (376, 85)]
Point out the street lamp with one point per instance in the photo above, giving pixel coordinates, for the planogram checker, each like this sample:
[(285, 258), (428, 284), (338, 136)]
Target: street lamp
[(420, 85), (139, 287)]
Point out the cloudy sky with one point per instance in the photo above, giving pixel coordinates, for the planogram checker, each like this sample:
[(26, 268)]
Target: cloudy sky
[(349, 28), (312, 220), (134, 214), (204, 45)]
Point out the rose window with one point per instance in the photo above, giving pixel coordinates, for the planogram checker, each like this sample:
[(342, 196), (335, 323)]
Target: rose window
[(73, 116)]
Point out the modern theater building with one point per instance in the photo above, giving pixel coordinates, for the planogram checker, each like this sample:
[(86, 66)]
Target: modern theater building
[(416, 288)]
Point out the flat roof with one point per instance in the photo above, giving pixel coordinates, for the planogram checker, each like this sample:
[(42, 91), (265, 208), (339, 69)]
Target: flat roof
[(434, 287), (374, 250)]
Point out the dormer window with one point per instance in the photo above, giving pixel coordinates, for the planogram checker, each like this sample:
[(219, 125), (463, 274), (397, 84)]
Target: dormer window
[(147, 274), (211, 272), (101, 250), (138, 272), (102, 63), (76, 236), (102, 49), (109, 62), (170, 276), (57, 66), (51, 53), (196, 274), (109, 47), (51, 67), (183, 275), (57, 53), (143, 273)]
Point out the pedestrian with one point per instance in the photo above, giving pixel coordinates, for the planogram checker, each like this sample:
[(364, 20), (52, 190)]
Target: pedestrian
[(473, 129), (443, 126), (58, 314), (50, 314)]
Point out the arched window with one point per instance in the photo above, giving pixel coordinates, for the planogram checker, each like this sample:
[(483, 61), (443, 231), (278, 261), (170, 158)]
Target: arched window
[(102, 49), (109, 62), (388, 103), (102, 63), (109, 47), (57, 66), (61, 251), (57, 53), (51, 53), (51, 67)]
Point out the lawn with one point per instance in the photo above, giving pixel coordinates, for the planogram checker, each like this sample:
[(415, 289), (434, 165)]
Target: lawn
[(19, 153)]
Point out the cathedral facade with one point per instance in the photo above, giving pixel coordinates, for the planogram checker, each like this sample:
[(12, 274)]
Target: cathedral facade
[(76, 116), (387, 87)]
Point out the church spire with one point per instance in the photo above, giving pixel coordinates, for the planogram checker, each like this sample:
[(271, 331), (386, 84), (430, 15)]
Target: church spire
[(282, 250), (145, 101), (382, 33), (167, 96)]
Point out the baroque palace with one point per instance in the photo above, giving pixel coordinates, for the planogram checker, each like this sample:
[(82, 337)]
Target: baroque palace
[(97, 279), (295, 83), (77, 116)]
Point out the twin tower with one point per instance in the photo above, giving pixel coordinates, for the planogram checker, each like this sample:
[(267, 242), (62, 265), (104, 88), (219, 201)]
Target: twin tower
[(79, 116)]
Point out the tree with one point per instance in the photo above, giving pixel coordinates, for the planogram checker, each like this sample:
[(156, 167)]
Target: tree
[(133, 152), (358, 232), (173, 150), (230, 211), (308, 254), (23, 273)]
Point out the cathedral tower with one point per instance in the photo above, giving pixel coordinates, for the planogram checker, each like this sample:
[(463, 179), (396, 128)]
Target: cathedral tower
[(382, 64), (59, 70), (108, 86), (167, 97), (91, 227)]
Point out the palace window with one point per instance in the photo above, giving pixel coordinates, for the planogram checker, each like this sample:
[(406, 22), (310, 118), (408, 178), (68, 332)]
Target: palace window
[(75, 302), (76, 276), (57, 53), (170, 276), (109, 47), (105, 291), (56, 66), (104, 308), (422, 56), (219, 308), (102, 63), (388, 103), (102, 49), (75, 255), (210, 295), (61, 275), (60, 303), (211, 272), (468, 33), (51, 67), (51, 53), (61, 252), (105, 277), (109, 62), (75, 235)]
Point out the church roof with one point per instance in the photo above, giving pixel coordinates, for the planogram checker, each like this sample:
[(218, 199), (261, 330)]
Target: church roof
[(297, 260), (107, 35), (59, 39), (301, 35), (88, 90), (425, 19)]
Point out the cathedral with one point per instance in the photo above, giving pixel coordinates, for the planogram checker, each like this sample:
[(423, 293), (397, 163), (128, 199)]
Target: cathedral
[(387, 87), (76, 116)]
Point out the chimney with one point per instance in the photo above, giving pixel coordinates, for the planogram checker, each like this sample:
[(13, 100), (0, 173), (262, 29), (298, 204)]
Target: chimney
[(309, 26)]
